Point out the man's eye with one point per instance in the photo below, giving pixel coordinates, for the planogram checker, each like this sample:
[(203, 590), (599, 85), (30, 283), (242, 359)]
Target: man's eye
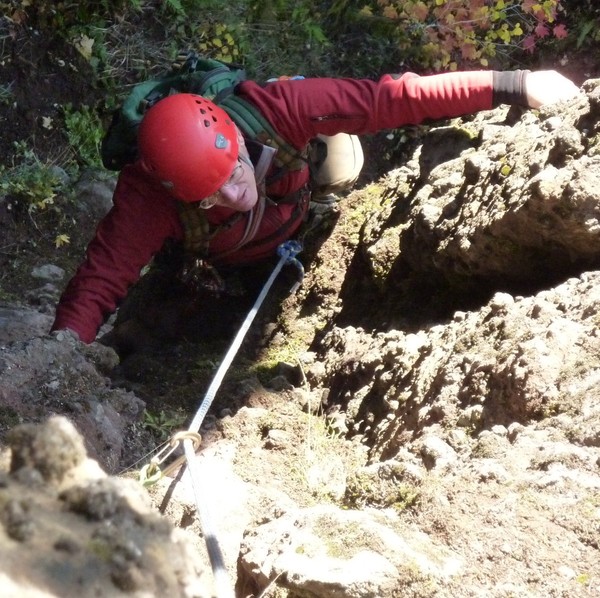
[(235, 175)]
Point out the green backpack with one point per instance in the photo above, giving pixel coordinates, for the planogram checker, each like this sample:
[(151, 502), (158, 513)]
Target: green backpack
[(210, 78)]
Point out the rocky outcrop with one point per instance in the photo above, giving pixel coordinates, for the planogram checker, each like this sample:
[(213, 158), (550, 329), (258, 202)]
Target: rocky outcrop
[(57, 374), (515, 202), (516, 361), (66, 529), (461, 348), (445, 438), (327, 551)]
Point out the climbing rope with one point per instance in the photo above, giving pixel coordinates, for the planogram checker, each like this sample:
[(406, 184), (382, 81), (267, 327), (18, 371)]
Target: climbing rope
[(287, 252), (191, 438)]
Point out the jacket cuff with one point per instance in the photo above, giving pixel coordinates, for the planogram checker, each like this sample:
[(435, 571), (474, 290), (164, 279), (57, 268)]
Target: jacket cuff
[(509, 88)]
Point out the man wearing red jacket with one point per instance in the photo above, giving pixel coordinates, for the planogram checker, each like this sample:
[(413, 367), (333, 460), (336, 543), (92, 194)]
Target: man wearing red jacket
[(196, 167)]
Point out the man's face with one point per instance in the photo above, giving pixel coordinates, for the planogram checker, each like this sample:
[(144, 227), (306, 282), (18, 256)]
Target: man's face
[(239, 192)]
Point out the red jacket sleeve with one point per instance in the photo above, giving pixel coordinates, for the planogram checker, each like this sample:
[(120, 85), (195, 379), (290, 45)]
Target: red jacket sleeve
[(141, 220), (301, 109)]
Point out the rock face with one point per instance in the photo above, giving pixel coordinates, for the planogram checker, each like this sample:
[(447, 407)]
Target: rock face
[(44, 375), (516, 361), (491, 418), (66, 529), (515, 200), (461, 347), (324, 551), (445, 440)]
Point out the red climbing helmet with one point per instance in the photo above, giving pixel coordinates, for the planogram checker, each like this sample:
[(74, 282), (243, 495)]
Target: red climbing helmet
[(189, 144)]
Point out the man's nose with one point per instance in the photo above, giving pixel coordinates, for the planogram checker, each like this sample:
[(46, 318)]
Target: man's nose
[(229, 193)]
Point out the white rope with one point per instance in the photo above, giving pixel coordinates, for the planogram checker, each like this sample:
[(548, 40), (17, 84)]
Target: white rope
[(287, 255), (223, 584), (287, 251)]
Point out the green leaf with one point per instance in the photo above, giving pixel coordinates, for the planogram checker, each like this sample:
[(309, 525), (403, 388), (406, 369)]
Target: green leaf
[(585, 30)]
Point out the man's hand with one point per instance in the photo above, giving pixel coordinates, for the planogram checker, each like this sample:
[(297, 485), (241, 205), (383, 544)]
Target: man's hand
[(546, 87)]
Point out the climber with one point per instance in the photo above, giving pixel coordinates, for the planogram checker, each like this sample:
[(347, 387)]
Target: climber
[(203, 179)]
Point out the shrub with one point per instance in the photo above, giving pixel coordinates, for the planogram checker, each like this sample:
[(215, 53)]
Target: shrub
[(84, 132), (29, 183), (61, 15), (446, 34)]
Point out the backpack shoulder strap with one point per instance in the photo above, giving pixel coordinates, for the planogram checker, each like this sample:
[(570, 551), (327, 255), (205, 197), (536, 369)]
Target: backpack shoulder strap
[(256, 126)]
